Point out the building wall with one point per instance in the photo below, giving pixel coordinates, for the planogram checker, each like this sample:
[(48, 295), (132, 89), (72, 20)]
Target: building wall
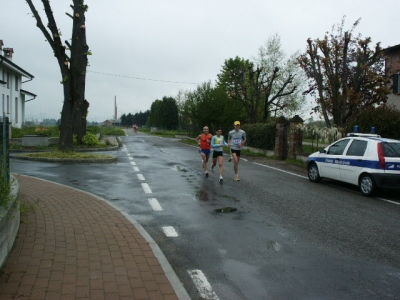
[(392, 66), (394, 100), (11, 93)]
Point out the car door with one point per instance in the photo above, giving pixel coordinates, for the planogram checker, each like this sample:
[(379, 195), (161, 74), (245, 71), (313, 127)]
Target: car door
[(353, 161), (330, 160)]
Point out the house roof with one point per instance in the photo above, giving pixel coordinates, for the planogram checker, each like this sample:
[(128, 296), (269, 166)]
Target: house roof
[(392, 49), (8, 63)]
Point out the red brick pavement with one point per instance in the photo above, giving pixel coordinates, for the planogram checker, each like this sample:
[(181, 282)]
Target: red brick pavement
[(71, 245)]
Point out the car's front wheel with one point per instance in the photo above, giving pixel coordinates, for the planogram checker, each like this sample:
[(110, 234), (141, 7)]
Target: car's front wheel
[(367, 185), (313, 173)]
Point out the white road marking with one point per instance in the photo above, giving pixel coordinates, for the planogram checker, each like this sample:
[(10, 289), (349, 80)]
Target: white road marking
[(170, 231), (390, 201), (146, 188), (202, 285), (130, 158), (140, 177), (129, 154), (281, 170), (382, 199), (155, 205), (136, 169), (133, 163), (243, 159)]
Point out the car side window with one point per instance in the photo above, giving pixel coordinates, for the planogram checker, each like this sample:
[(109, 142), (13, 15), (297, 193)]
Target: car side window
[(357, 148), (338, 148), (391, 149)]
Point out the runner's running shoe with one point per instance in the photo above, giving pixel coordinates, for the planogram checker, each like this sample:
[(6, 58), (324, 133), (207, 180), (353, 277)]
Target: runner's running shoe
[(237, 178), (206, 174), (220, 179)]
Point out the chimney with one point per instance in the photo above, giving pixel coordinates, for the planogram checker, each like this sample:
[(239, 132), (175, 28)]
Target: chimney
[(8, 52)]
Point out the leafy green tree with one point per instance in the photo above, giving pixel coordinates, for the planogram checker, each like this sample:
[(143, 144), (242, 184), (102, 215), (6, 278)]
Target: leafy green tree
[(211, 106), (243, 82), (169, 113), (73, 69), (164, 113), (155, 118), (346, 74)]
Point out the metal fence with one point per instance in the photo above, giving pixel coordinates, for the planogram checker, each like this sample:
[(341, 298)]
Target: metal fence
[(4, 149)]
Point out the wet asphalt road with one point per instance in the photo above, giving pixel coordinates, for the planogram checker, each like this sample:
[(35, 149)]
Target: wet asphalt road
[(288, 238)]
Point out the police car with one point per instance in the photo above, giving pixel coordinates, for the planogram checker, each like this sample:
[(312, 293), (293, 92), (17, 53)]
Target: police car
[(366, 160)]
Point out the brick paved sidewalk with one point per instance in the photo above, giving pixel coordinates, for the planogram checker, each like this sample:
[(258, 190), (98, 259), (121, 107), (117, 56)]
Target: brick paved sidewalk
[(71, 245)]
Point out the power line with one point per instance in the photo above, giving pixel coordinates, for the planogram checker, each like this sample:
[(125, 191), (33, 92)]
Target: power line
[(138, 78)]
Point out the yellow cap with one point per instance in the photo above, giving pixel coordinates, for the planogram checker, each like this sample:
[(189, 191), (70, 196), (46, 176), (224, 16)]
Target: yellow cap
[(236, 123)]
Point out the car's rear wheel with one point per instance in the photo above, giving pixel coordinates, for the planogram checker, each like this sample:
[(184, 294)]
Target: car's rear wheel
[(367, 185), (313, 173)]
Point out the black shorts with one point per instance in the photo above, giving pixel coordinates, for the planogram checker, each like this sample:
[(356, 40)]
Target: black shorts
[(217, 153), (236, 151)]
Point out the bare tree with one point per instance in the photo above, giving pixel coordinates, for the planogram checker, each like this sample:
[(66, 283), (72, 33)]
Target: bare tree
[(73, 69), (345, 74), (284, 79)]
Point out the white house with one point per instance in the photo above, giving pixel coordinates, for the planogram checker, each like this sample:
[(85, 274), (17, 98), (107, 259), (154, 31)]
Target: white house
[(12, 96)]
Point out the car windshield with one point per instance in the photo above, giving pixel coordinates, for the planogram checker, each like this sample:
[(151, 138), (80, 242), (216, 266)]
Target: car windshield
[(391, 149)]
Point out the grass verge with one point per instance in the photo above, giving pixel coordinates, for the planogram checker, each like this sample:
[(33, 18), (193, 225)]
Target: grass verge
[(67, 155)]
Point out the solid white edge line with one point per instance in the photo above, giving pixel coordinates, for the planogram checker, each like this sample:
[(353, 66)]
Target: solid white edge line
[(382, 199), (155, 204), (301, 176), (146, 188), (202, 285), (170, 231), (390, 201)]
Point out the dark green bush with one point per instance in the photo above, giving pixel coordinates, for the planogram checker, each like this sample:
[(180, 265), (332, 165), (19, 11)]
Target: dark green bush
[(385, 119), (260, 135)]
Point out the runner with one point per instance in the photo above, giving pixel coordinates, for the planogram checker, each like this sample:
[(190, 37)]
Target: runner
[(217, 143), (204, 141), (236, 140)]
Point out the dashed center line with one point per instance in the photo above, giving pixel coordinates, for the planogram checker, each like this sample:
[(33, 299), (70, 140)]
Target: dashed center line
[(140, 176), (202, 284), (155, 204), (170, 231), (136, 169), (146, 188), (133, 163)]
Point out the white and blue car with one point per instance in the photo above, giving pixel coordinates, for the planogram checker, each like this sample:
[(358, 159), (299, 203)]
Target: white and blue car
[(366, 160)]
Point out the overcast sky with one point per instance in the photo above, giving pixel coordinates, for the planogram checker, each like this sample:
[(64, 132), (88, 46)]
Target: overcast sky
[(155, 48)]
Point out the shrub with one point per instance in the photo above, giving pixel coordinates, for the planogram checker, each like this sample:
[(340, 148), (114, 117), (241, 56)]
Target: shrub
[(4, 188), (386, 121), (90, 139), (260, 135)]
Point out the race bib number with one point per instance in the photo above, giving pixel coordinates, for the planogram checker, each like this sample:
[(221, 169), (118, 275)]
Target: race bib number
[(236, 142)]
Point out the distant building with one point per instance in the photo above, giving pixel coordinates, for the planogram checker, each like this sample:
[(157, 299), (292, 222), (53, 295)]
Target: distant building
[(12, 96), (392, 69), (107, 123)]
